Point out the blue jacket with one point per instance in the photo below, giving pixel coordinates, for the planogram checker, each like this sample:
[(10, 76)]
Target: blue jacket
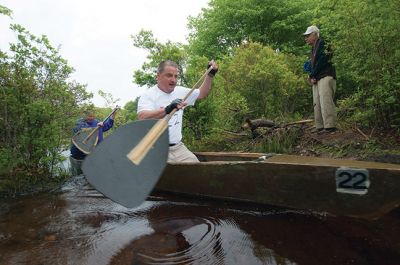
[(320, 61), (82, 123)]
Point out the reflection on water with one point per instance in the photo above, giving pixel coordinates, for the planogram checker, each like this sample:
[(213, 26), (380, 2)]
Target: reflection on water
[(80, 226), (182, 234)]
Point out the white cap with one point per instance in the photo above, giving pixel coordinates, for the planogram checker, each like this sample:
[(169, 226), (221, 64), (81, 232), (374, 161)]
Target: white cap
[(311, 29)]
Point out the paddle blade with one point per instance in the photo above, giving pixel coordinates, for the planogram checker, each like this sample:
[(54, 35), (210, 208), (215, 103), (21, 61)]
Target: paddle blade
[(109, 170), (85, 140)]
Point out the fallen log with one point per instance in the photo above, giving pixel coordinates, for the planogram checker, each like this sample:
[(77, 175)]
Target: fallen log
[(254, 124), (257, 123)]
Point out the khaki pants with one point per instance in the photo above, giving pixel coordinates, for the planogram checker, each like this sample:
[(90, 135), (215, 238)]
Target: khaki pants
[(324, 106), (180, 153)]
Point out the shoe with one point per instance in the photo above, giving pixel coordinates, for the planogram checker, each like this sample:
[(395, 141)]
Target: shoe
[(316, 130), (327, 130)]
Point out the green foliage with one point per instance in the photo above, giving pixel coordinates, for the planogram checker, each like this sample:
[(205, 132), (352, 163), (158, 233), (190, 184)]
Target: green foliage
[(227, 24), (267, 80), (111, 102), (221, 110), (124, 115), (5, 11), (365, 34), (157, 52), (38, 107), (246, 85), (282, 141), (130, 109)]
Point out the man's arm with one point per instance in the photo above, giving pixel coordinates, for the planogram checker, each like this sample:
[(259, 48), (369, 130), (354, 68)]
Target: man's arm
[(107, 125), (151, 114), (158, 114), (206, 85)]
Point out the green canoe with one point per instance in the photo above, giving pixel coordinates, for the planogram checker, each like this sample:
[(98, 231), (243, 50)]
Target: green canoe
[(333, 186)]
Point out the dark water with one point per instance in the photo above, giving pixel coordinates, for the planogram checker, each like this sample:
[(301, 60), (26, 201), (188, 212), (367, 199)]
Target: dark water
[(79, 226)]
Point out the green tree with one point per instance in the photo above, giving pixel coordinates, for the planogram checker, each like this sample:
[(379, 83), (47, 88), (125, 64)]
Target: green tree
[(269, 81), (38, 108), (366, 40), (157, 52), (111, 102), (226, 24), (130, 110), (5, 11)]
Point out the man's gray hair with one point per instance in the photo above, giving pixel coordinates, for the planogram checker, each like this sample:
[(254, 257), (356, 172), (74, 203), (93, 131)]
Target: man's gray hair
[(166, 63)]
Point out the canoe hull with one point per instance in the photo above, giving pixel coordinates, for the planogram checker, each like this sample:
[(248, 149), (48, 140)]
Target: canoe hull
[(286, 181)]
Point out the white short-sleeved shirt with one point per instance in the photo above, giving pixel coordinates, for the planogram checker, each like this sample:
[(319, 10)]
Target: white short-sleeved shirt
[(154, 99)]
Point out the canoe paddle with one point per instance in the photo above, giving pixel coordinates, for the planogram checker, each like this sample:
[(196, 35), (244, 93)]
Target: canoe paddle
[(126, 166), (110, 172), (86, 139)]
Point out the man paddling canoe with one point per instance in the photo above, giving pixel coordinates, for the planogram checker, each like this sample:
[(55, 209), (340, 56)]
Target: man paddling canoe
[(163, 98), (88, 123)]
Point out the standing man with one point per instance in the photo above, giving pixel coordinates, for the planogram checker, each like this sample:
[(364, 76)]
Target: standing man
[(161, 99), (322, 77)]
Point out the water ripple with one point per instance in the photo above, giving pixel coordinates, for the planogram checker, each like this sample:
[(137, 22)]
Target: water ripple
[(197, 239)]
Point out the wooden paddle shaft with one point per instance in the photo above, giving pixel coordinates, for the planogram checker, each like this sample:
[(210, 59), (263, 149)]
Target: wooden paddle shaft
[(137, 154)]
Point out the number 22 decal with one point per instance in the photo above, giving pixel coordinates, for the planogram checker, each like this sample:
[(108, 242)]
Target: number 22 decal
[(352, 180)]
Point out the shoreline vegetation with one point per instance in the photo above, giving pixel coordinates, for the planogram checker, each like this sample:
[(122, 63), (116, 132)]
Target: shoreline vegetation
[(260, 50)]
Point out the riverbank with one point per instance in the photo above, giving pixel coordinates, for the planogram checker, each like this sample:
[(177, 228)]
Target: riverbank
[(351, 143)]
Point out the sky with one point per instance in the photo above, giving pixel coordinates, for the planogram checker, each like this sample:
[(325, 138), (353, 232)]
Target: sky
[(94, 36)]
